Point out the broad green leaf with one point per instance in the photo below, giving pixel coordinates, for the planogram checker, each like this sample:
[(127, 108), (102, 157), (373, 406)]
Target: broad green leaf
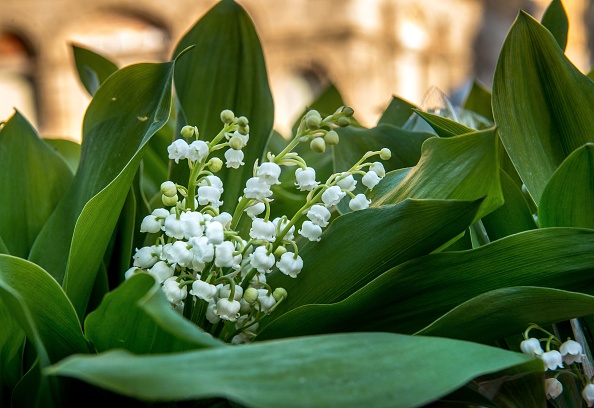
[(341, 263), (397, 112), (479, 100), (225, 70), (568, 198), (122, 322), (513, 216), (508, 311), (93, 69), (12, 338), (410, 296), (40, 306), (33, 179), (555, 20), (126, 111), (444, 127), (542, 104), (463, 167), (351, 370), (36, 390), (68, 150), (591, 74)]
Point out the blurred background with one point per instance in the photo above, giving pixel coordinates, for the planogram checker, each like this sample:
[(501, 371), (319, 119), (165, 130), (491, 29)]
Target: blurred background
[(369, 49)]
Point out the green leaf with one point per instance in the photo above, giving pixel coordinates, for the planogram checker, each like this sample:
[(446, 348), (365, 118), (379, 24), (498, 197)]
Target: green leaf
[(351, 370), (410, 296), (33, 179), (339, 265), (12, 338), (555, 20), (121, 321), (126, 111), (40, 306), (508, 311), (444, 127), (463, 167), (568, 198), (591, 74), (397, 112), (479, 100), (68, 150), (93, 69), (542, 104), (226, 70)]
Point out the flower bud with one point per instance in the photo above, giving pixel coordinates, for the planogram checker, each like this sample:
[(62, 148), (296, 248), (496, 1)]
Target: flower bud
[(280, 293), (250, 295), (215, 164), (331, 138), (553, 388), (188, 132), (318, 145), (385, 154), (169, 189), (348, 111), (242, 121), (313, 122), (236, 142), (244, 130), (278, 252), (169, 201), (227, 116), (343, 121)]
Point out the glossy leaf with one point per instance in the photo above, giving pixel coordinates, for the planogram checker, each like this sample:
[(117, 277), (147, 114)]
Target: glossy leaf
[(226, 70), (479, 100), (568, 198), (126, 111), (33, 179), (121, 321), (555, 20), (508, 311), (444, 127), (464, 167), (397, 112), (349, 370), (542, 104), (339, 265), (68, 150), (12, 339), (40, 306), (93, 69), (410, 296)]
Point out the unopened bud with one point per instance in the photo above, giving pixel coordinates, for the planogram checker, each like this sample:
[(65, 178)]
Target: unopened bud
[(242, 121), (215, 164), (250, 295), (318, 145), (236, 142), (280, 251), (244, 130), (227, 116), (169, 189), (331, 138), (169, 201), (343, 121), (385, 154), (348, 112), (188, 132), (313, 122), (279, 293)]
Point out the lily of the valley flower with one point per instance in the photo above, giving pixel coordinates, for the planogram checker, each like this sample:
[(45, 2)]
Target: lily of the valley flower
[(552, 359), (348, 183), (531, 347), (261, 260), (588, 394), (197, 151), (161, 271), (203, 290), (553, 388), (310, 231), (332, 196), (571, 351), (319, 215), (254, 210), (228, 310), (306, 179), (174, 293), (234, 158), (254, 188), (261, 229), (215, 232), (178, 150), (269, 173), (290, 264), (370, 179), (360, 202)]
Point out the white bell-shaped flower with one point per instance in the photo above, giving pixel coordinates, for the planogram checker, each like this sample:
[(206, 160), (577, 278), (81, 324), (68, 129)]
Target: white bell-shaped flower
[(209, 195), (262, 230), (161, 271), (378, 168), (215, 232), (370, 179), (332, 196), (173, 227), (552, 359), (225, 291), (269, 173), (531, 347), (203, 290), (319, 215), (256, 209), (151, 224), (571, 351), (228, 310), (360, 202), (211, 314), (348, 183), (178, 150), (234, 158), (261, 260), (213, 181), (224, 255), (310, 231), (224, 218), (290, 235), (306, 179), (179, 253), (203, 252), (145, 257), (192, 223), (197, 151), (173, 292), (254, 188), (266, 300), (553, 388), (132, 271), (290, 264), (588, 394)]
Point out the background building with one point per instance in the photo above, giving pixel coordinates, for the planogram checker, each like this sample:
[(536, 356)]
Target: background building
[(370, 49)]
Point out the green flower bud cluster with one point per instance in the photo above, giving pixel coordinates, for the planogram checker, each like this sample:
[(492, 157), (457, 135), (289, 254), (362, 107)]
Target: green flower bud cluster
[(319, 131)]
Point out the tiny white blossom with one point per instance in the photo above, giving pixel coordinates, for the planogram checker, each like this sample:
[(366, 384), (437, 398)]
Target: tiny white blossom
[(213, 181), (203, 252), (197, 151), (262, 230), (254, 188), (173, 227), (266, 300), (588, 394), (203, 290), (261, 260), (180, 254), (289, 264), (145, 257), (178, 150), (348, 183), (378, 168), (370, 179), (224, 254), (571, 351), (150, 224), (211, 314), (225, 291), (553, 388), (209, 195), (241, 338), (228, 310), (174, 293), (224, 218), (161, 271), (215, 232), (306, 179), (332, 196), (255, 210), (319, 215), (192, 223), (360, 202), (289, 236), (132, 271), (310, 231), (234, 158), (269, 173), (531, 347), (552, 359)]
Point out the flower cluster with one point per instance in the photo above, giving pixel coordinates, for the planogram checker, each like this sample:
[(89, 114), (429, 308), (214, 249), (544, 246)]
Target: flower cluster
[(209, 271), (569, 353)]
